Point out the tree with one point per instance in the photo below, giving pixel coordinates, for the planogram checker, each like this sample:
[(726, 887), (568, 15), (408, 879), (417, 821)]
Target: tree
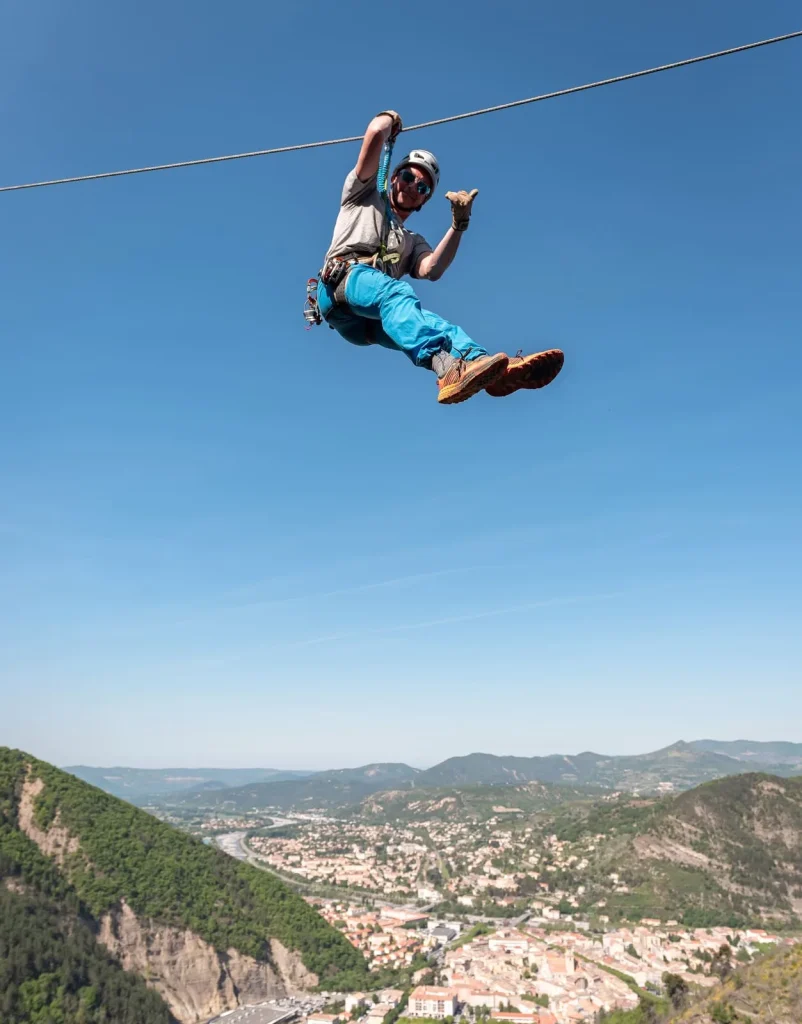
[(676, 989), (721, 964), (633, 952)]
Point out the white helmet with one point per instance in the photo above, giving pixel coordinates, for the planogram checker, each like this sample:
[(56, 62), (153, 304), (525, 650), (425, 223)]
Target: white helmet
[(425, 160)]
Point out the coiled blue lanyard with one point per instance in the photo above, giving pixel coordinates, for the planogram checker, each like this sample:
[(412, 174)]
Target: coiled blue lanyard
[(383, 185)]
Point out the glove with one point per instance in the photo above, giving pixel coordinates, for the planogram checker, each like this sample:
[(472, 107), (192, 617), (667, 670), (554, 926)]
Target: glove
[(461, 203), (398, 124)]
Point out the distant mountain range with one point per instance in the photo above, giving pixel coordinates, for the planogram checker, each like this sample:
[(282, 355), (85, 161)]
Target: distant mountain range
[(140, 785), (678, 767)]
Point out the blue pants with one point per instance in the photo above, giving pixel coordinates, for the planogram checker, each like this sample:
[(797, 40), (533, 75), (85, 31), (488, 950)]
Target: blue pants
[(384, 311)]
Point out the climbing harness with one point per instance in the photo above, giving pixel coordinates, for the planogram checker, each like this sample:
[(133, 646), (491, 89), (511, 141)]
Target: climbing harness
[(335, 270)]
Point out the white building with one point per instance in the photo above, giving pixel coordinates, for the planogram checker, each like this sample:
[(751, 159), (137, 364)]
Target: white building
[(508, 942), (427, 1001), (355, 999)]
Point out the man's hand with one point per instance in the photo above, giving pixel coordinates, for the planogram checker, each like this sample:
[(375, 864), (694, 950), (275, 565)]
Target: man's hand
[(461, 203), (397, 125)]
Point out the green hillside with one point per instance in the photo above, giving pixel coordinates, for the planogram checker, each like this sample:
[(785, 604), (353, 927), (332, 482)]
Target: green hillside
[(162, 874), (727, 852), (52, 970), (468, 803)]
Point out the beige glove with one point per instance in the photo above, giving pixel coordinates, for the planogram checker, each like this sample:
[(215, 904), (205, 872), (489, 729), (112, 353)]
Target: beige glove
[(461, 203), (398, 124)]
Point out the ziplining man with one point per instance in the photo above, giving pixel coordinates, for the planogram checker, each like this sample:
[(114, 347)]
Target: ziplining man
[(360, 292)]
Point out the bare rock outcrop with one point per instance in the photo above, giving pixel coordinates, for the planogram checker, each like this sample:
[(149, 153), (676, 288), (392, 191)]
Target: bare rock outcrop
[(664, 848), (56, 842), (194, 979)]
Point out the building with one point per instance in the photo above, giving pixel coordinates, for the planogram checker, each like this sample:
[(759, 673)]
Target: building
[(404, 916), (427, 1001), (355, 999), (477, 997), (391, 996), (508, 942)]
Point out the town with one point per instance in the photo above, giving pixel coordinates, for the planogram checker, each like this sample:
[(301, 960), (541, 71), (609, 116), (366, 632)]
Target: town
[(531, 974), (489, 919)]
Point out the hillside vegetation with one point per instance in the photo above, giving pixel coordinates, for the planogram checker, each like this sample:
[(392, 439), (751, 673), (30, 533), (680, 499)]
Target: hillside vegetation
[(121, 853), (727, 852), (469, 802), (53, 971), (766, 992)]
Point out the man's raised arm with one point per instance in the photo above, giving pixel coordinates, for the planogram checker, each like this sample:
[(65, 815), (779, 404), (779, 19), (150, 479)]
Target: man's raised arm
[(386, 124)]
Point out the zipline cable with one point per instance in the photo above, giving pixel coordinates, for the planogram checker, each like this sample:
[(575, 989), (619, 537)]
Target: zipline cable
[(411, 128)]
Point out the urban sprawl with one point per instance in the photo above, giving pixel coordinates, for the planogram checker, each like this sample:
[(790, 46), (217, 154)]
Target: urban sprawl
[(419, 893)]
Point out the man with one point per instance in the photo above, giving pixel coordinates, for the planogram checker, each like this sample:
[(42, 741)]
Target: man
[(361, 295)]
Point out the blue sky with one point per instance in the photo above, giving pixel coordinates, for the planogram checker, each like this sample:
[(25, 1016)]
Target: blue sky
[(224, 540)]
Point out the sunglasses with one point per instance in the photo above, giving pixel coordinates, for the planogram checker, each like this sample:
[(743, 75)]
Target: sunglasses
[(407, 176)]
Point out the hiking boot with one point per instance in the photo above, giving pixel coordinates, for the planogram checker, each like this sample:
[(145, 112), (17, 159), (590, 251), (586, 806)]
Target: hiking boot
[(535, 371), (461, 379)]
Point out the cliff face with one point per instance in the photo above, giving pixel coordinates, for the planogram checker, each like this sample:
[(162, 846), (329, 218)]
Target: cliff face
[(195, 980)]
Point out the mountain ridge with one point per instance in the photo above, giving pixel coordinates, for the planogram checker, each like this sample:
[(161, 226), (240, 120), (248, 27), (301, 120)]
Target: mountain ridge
[(161, 902), (677, 767)]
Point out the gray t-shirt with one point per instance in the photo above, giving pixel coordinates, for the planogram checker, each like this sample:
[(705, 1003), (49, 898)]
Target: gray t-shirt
[(358, 230)]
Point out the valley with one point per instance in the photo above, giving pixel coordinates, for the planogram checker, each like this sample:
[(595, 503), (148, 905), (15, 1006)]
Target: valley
[(527, 902)]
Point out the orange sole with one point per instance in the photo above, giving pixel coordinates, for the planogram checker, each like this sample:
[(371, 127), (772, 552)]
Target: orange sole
[(532, 372)]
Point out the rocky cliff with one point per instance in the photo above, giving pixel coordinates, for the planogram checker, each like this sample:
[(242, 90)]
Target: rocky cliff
[(205, 932), (194, 979)]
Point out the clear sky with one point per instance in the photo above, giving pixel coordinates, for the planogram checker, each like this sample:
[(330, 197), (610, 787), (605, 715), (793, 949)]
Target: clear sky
[(227, 541)]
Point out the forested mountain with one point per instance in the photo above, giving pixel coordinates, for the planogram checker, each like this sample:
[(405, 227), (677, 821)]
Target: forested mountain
[(162, 901), (680, 765), (53, 969)]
